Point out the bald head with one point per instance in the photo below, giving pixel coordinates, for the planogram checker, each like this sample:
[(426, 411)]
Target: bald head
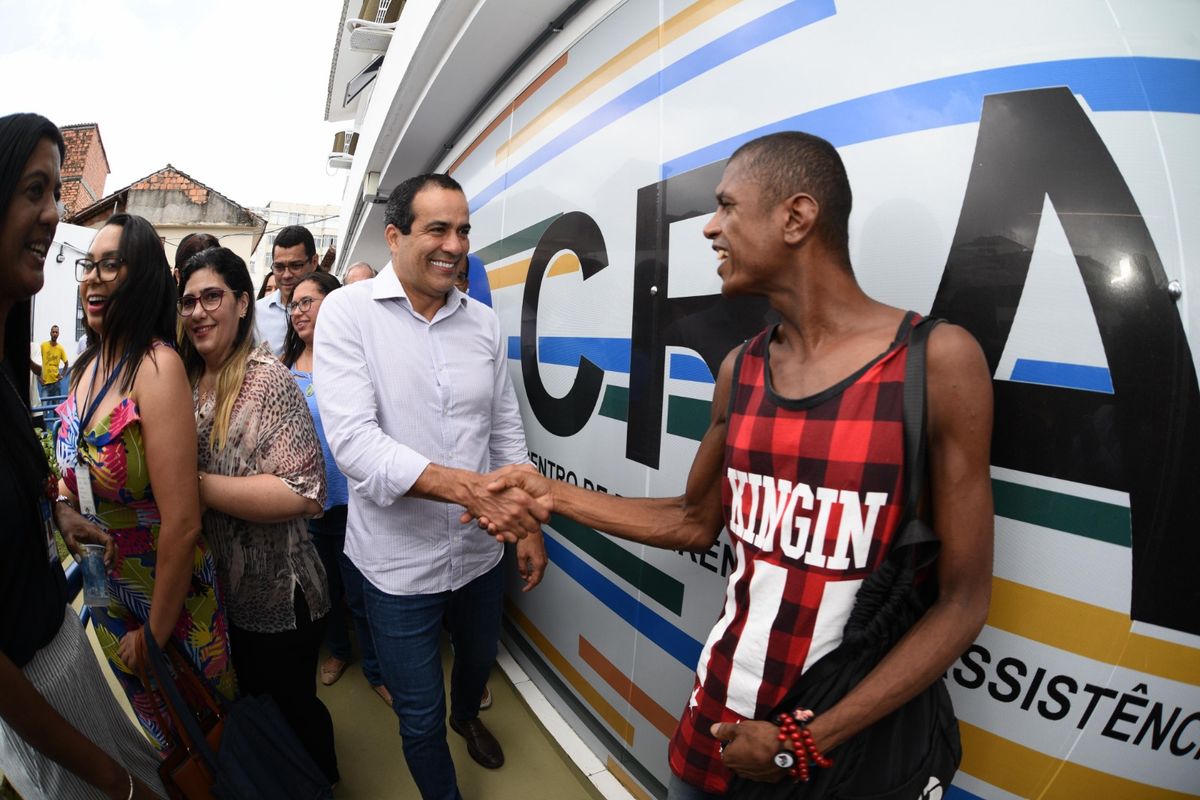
[(358, 271)]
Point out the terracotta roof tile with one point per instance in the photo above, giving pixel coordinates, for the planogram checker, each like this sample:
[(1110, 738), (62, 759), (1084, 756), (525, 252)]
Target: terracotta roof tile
[(169, 178)]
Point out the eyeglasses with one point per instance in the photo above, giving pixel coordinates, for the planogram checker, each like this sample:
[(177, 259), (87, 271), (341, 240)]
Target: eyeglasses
[(107, 268), (302, 305), (295, 267), (209, 298)]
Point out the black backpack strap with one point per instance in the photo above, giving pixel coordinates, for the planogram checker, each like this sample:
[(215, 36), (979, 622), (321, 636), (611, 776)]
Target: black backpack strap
[(915, 440), (737, 370)]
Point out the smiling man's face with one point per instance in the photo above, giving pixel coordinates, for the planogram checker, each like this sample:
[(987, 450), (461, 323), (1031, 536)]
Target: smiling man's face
[(427, 259)]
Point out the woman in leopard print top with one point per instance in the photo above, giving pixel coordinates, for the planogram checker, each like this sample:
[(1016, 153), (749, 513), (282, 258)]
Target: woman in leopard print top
[(262, 477)]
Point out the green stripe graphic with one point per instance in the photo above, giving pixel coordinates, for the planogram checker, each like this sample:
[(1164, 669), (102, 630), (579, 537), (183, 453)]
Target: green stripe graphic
[(514, 243), (1103, 522), (650, 580), (615, 404), (688, 417)]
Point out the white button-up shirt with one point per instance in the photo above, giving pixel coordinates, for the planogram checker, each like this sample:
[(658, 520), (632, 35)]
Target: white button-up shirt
[(270, 322), (397, 392)]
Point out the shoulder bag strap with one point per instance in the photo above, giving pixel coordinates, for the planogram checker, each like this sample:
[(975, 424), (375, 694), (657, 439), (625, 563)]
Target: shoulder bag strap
[(180, 713)]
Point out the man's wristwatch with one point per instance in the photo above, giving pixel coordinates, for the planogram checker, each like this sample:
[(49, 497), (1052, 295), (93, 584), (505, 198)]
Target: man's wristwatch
[(785, 759)]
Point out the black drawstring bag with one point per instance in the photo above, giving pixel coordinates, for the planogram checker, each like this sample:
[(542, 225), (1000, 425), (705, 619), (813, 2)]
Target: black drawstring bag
[(258, 756), (916, 748)]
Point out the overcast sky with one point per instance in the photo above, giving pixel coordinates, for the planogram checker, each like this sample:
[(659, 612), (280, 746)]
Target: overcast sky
[(232, 92)]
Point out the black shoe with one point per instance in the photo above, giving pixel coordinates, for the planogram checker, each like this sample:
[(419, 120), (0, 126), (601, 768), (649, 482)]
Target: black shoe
[(481, 745)]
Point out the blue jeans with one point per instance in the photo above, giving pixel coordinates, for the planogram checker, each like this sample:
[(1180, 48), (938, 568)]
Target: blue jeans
[(345, 591), (678, 790), (56, 389), (407, 630)]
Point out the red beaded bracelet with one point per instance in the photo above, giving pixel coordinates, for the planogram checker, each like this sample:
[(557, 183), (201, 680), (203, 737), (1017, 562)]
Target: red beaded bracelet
[(794, 727)]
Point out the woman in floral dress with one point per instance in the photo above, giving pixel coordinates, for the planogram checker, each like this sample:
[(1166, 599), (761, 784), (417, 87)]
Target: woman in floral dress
[(127, 433)]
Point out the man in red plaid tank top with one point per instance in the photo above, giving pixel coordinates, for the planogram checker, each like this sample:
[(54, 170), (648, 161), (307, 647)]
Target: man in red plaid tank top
[(803, 464)]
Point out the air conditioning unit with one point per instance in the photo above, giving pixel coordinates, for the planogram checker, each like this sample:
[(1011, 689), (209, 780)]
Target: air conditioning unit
[(344, 143), (372, 31), (381, 10)]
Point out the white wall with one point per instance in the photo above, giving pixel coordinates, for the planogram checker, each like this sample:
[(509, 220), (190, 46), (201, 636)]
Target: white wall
[(56, 303)]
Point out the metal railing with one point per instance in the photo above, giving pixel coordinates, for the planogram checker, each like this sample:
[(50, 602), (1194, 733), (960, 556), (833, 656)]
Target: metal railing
[(73, 571)]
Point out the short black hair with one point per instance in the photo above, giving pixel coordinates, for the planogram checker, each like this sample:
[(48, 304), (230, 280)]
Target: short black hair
[(293, 235), (399, 210), (791, 162)]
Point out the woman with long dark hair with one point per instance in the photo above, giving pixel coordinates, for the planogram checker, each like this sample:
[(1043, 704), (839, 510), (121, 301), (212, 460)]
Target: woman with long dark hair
[(126, 449), (329, 530), (267, 286), (190, 245), (262, 477), (55, 706)]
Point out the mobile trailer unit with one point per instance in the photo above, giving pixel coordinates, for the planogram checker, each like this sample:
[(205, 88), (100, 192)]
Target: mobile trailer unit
[(1027, 170)]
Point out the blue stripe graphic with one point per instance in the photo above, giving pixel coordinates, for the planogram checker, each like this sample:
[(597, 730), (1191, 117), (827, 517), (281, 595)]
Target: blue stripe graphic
[(672, 640), (1128, 83), (750, 36), (958, 793), (611, 355), (690, 368), (1108, 84), (1068, 376)]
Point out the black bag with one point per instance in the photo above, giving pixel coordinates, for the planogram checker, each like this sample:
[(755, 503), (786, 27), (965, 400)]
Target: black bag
[(916, 748), (259, 756)]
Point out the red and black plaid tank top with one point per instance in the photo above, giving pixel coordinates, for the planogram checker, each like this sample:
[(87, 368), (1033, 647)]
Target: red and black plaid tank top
[(813, 493)]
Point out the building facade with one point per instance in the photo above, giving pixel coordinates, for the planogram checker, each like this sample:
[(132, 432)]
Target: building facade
[(178, 204)]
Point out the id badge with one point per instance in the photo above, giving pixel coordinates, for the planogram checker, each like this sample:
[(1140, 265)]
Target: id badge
[(83, 488), (48, 528)]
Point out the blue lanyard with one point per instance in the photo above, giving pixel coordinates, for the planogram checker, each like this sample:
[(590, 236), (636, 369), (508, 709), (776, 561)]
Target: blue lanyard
[(86, 418)]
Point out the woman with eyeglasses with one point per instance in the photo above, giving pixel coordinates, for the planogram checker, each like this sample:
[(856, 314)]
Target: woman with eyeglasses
[(329, 530), (127, 456), (62, 733), (261, 477)]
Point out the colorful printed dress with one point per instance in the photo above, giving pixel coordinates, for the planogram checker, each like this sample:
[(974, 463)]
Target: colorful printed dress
[(116, 457)]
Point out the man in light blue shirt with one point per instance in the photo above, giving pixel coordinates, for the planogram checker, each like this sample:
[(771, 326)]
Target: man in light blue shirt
[(413, 387), (293, 256)]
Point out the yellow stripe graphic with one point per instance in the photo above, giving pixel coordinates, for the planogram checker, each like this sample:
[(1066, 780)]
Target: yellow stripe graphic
[(1028, 773), (690, 18), (515, 273), (1089, 631), (641, 701), (619, 724), (623, 778)]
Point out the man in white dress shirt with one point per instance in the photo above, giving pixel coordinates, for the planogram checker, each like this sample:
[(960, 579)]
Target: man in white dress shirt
[(414, 391), (293, 257)]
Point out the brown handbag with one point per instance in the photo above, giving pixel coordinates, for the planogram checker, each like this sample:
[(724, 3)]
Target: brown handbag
[(188, 772)]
